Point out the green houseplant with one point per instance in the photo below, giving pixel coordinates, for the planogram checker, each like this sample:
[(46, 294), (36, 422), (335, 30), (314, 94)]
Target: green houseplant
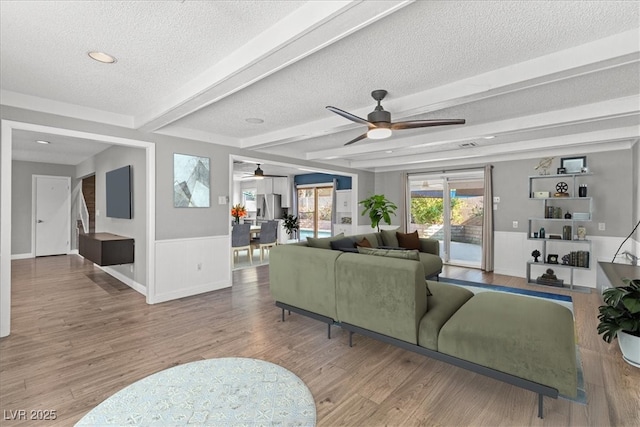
[(291, 224), (379, 209), (620, 318)]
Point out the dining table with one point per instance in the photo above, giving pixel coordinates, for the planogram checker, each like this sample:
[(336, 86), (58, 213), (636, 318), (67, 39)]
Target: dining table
[(254, 231)]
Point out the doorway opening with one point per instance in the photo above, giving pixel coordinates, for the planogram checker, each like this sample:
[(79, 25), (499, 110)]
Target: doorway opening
[(315, 207), (449, 208)]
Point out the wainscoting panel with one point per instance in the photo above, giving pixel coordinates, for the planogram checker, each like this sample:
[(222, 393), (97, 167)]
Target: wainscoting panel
[(186, 267), (513, 250)]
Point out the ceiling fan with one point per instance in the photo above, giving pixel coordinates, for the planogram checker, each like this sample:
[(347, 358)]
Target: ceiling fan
[(379, 120), (259, 174)]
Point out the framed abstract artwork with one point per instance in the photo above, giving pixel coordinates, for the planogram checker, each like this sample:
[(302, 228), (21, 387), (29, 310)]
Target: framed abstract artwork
[(573, 164), (191, 181)]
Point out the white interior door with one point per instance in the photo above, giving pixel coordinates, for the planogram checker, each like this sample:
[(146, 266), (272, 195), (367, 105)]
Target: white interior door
[(52, 215)]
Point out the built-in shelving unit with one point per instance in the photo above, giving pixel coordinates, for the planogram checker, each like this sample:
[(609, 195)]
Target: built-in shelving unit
[(554, 207)]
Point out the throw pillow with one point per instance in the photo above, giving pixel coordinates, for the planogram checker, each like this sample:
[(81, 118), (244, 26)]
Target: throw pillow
[(323, 242), (409, 240), (341, 244), (389, 238), (404, 254), (364, 243)]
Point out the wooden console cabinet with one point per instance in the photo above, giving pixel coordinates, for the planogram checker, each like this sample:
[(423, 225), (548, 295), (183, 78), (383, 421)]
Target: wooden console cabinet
[(106, 248)]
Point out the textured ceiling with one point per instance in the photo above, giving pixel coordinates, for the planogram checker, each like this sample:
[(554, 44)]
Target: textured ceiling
[(521, 70)]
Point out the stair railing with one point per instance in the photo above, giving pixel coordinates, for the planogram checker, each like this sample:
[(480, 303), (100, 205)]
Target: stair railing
[(83, 212)]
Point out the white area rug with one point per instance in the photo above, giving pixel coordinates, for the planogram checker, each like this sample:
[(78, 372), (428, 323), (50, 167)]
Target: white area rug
[(217, 392)]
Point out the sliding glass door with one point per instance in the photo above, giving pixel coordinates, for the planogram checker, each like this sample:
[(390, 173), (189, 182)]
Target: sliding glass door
[(449, 208), (315, 205)]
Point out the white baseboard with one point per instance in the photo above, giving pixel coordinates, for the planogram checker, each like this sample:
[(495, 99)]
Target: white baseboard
[(140, 288), (74, 252), (182, 293), (22, 256)]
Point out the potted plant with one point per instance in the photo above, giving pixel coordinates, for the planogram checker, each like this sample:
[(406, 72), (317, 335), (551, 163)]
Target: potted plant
[(379, 208), (291, 224), (620, 317)]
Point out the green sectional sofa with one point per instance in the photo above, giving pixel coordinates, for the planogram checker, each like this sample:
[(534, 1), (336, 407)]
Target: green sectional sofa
[(521, 340)]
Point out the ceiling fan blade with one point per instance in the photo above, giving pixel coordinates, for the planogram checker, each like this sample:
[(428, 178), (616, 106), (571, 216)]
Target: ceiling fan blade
[(349, 116), (426, 123), (363, 136)]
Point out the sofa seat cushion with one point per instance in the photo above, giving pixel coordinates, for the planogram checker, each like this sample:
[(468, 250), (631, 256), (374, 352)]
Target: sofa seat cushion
[(443, 302), (393, 253), (522, 336), (432, 264)]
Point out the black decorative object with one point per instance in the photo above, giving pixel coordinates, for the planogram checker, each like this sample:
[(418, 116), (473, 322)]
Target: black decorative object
[(582, 190), (535, 254), (565, 259), (561, 189), (552, 259), (567, 216), (549, 278), (561, 171)]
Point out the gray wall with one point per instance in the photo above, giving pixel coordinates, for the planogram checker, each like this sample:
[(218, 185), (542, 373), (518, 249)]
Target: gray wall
[(110, 159), (174, 223), (612, 186), (392, 186), (635, 182), (21, 201), (609, 186)]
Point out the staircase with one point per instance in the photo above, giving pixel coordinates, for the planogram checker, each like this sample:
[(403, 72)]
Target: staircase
[(89, 193)]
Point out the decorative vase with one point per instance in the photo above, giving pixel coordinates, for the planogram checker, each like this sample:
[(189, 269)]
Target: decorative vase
[(630, 347), (582, 190)]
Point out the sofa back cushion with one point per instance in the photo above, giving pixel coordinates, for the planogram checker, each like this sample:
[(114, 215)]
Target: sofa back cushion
[(364, 243), (323, 242), (408, 240), (383, 294), (389, 238), (346, 244), (304, 278)]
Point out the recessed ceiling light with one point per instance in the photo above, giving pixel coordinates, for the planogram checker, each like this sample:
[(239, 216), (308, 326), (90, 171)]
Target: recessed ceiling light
[(254, 120), (42, 141), (489, 137), (105, 58)]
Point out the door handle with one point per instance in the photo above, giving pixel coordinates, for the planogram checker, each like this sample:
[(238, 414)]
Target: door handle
[(39, 221)]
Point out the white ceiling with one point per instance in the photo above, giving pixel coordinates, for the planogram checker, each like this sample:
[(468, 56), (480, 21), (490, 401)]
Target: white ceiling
[(543, 76)]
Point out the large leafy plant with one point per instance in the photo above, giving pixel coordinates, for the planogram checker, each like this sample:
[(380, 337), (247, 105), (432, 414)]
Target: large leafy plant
[(621, 312), (291, 224), (379, 208)]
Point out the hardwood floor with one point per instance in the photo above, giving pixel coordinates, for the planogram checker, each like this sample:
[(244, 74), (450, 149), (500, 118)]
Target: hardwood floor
[(78, 336)]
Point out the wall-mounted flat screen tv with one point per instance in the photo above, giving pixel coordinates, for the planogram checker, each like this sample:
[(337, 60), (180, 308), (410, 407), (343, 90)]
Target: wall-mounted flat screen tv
[(118, 184)]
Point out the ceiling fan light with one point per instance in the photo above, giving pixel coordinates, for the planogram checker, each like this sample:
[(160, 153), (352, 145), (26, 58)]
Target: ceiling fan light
[(379, 133)]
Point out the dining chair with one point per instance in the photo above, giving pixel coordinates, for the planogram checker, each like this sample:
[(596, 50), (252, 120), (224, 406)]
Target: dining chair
[(268, 236), (241, 241)]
